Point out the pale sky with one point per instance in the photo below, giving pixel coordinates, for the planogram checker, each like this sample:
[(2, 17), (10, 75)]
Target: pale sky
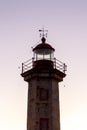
[(66, 22)]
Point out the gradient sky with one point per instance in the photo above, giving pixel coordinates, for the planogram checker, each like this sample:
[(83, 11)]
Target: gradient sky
[(66, 22)]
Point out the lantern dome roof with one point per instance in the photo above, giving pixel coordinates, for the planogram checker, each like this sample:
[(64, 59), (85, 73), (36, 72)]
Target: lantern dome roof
[(43, 45)]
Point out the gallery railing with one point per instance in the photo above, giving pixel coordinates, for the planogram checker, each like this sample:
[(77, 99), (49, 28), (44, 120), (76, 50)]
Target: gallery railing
[(56, 65)]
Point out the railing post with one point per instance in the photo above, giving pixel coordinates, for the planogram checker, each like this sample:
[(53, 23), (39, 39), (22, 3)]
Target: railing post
[(65, 67), (54, 63), (32, 62), (22, 67)]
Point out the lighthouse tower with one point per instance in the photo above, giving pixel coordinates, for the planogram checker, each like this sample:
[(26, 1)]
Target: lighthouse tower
[(43, 74)]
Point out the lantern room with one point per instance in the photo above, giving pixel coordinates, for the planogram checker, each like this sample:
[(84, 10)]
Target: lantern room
[(43, 51), (43, 55)]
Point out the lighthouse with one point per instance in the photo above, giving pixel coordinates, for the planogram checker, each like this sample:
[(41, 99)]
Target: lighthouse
[(43, 72)]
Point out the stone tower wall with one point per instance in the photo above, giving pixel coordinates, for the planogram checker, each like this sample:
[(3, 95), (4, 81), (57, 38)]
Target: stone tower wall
[(38, 108)]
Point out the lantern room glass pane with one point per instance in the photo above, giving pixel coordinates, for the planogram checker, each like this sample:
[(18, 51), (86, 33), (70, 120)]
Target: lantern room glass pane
[(39, 57), (47, 57)]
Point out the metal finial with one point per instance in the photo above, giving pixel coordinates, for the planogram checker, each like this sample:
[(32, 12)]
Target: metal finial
[(42, 32)]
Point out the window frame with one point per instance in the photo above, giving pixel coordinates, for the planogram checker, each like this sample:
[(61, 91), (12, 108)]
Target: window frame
[(41, 97), (47, 123)]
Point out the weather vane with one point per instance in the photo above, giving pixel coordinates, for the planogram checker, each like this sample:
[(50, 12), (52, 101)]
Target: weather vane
[(42, 32)]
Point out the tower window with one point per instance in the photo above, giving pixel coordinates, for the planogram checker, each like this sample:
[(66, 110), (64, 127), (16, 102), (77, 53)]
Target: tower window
[(43, 94), (44, 124)]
